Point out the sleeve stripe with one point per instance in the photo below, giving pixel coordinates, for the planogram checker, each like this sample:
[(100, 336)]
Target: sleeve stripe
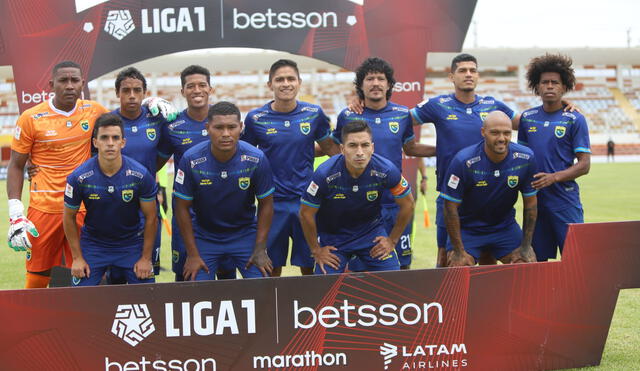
[(582, 149), (529, 194), (267, 193), (327, 135), (412, 137), (163, 155), (147, 199), (316, 206), (416, 116), (404, 194), (515, 113), (523, 142), (453, 199), (338, 141), (182, 196), (73, 207)]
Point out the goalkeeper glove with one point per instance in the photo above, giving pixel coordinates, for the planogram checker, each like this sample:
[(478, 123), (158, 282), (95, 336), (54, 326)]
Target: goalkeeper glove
[(19, 225), (158, 105)]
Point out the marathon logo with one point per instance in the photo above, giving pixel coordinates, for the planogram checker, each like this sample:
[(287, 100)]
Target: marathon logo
[(400, 109), (445, 99), (530, 112), (332, 177), (378, 174), (175, 124), (197, 161), (84, 176), (137, 174), (257, 116), (569, 114), (472, 161), (521, 155), (249, 158), (310, 109), (487, 101)]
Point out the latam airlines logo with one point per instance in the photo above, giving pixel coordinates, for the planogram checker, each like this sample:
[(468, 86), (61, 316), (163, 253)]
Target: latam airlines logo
[(132, 323), (388, 352)]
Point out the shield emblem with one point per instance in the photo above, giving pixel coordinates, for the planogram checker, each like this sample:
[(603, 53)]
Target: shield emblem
[(560, 131), (151, 134), (175, 255), (512, 181), (372, 195), (127, 195), (394, 127), (75, 280), (28, 254), (244, 183), (84, 124), (305, 128), (483, 115), (110, 189)]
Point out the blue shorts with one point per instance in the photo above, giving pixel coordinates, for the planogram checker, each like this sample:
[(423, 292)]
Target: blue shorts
[(178, 251), (359, 251), (101, 258), (499, 243), (236, 248), (116, 275), (284, 225), (441, 226), (403, 248), (551, 230)]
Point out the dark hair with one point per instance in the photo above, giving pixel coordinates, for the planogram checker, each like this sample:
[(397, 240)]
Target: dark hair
[(223, 109), (551, 63), (108, 119), (355, 126), (283, 63), (372, 65), (132, 73), (464, 57), (65, 64), (193, 70)]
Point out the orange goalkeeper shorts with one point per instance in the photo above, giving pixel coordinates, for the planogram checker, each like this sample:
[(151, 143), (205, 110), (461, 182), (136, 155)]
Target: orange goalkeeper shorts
[(49, 248)]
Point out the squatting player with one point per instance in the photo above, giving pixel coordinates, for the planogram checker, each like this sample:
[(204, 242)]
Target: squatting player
[(221, 179), (557, 138), (342, 206), (115, 189), (392, 131), (188, 130), (482, 185), (286, 130)]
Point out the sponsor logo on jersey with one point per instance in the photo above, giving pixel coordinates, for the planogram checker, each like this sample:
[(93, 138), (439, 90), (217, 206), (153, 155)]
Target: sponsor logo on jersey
[(378, 174), (339, 196), (127, 195), (151, 134), (305, 128), (50, 133), (137, 174), (68, 191), (453, 181), (110, 189), (512, 181), (569, 114), (472, 161), (274, 131), (560, 131), (244, 183), (38, 115), (134, 129), (249, 158), (312, 189), (496, 173), (521, 155), (176, 124), (482, 183), (483, 115), (204, 132), (331, 177), (372, 195), (84, 124), (529, 113), (487, 101), (180, 177), (444, 99), (186, 141), (94, 196), (198, 161), (452, 117), (84, 176), (355, 188), (310, 109), (533, 129), (400, 109), (223, 175), (205, 181), (394, 127), (17, 132)]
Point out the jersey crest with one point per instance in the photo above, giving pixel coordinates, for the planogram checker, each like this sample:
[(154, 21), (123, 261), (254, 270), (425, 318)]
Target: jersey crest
[(394, 127), (560, 131), (483, 115), (372, 195), (305, 128), (151, 134), (244, 183), (512, 181), (84, 124), (127, 195)]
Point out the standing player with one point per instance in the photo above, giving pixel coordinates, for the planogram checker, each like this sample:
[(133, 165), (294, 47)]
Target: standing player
[(557, 138), (56, 134), (482, 185), (392, 132), (221, 179), (142, 131), (342, 206), (186, 131), (115, 189), (285, 130)]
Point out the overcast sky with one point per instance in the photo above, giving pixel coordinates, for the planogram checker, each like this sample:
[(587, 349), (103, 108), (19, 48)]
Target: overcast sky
[(554, 23)]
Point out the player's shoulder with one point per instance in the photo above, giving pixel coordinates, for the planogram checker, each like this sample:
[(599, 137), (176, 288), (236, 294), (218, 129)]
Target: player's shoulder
[(39, 111), (133, 167), (331, 166), (529, 112), (247, 149), (470, 155), (381, 163), (256, 113), (519, 151), (395, 107), (573, 116), (308, 107), (487, 100), (85, 170), (197, 150), (91, 105), (439, 99)]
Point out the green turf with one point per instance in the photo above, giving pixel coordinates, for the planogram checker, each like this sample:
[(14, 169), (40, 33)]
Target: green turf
[(609, 193)]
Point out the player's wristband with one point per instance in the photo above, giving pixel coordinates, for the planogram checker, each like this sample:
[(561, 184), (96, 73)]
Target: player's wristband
[(16, 209)]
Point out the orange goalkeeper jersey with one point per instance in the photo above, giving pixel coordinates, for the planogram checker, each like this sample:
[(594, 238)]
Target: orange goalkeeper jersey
[(58, 143)]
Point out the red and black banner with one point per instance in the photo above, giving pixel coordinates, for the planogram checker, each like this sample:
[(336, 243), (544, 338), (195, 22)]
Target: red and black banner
[(506, 317)]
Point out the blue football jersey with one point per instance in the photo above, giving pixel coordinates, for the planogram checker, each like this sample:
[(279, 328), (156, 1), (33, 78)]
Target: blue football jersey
[(112, 202), (350, 208), (486, 190), (391, 127), (457, 125), (555, 138), (223, 194), (143, 136), (180, 135), (287, 139)]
